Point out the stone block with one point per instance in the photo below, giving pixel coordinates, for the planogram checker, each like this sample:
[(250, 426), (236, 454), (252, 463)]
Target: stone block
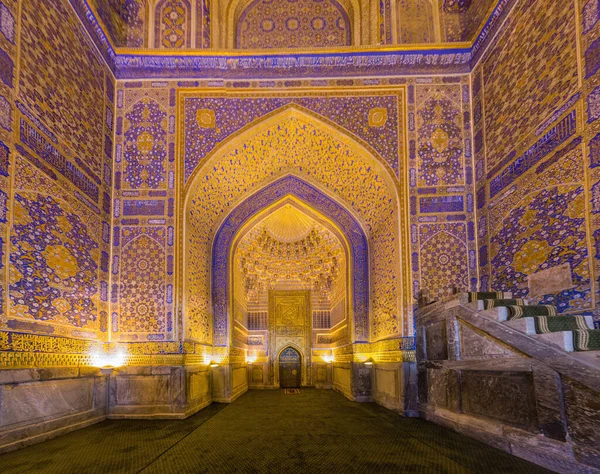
[(141, 390), (435, 342), (549, 403), (257, 374), (385, 381), (508, 397), (199, 385), (18, 376), (478, 345), (34, 402), (551, 280), (438, 395), (58, 373), (239, 377), (582, 406)]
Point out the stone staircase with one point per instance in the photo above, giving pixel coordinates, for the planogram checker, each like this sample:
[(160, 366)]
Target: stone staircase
[(518, 376), (571, 333)]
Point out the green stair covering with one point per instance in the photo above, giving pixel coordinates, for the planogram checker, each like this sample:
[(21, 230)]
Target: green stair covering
[(586, 340), (488, 295), (489, 304), (545, 317), (545, 324), (516, 312)]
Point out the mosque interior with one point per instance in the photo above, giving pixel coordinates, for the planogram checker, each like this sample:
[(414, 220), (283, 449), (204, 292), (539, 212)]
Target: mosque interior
[(300, 235)]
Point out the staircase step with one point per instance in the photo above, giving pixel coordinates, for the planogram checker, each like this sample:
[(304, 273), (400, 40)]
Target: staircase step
[(506, 313), (586, 340), (571, 341), (488, 295), (549, 324), (562, 340), (489, 304), (516, 312)]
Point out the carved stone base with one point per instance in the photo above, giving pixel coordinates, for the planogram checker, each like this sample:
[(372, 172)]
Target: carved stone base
[(39, 404)]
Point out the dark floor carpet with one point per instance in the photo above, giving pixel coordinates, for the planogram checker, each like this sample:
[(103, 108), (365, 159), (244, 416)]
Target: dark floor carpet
[(314, 431)]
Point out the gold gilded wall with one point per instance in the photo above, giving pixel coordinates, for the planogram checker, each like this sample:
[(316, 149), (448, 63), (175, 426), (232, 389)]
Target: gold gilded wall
[(533, 141), (390, 153), (298, 143), (288, 24), (56, 131)]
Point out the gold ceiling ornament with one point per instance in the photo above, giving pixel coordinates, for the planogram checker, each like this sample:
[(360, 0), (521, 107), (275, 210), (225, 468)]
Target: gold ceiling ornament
[(206, 118), (310, 258), (288, 224), (378, 117)]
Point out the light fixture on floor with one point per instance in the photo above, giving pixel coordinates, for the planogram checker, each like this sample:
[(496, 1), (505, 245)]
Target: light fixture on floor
[(213, 364), (369, 362)]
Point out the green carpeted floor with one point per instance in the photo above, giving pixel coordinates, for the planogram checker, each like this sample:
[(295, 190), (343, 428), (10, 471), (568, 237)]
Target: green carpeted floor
[(314, 431)]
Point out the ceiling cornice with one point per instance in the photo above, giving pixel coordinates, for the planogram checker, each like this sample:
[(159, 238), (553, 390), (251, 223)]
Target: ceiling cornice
[(445, 58)]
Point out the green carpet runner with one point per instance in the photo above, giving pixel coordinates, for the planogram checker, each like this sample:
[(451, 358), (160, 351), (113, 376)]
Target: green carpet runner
[(486, 295), (545, 324), (545, 317), (516, 312), (489, 304), (586, 340)]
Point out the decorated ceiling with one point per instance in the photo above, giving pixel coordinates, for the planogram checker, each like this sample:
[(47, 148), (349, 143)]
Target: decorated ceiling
[(290, 248), (288, 24)]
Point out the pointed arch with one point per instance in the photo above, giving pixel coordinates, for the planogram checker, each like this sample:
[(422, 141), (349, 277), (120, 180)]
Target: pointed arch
[(444, 260), (245, 211), (293, 142), (279, 115)]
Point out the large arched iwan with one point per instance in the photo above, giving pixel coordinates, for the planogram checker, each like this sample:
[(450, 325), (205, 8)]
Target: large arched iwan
[(309, 194)]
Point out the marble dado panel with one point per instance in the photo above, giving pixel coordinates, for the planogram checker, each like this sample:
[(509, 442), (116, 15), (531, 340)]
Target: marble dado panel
[(35, 402)]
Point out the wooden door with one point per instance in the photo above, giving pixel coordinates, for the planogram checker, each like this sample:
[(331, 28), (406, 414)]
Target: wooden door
[(290, 368)]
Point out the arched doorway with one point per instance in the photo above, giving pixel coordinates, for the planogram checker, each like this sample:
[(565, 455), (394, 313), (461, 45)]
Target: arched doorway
[(290, 364)]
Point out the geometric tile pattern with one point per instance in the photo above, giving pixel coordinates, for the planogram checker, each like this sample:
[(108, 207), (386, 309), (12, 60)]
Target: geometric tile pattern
[(124, 20), (591, 14), (293, 24), (143, 272), (523, 47), (444, 264), (69, 94), (203, 24), (7, 23), (545, 230), (440, 137), (415, 22)]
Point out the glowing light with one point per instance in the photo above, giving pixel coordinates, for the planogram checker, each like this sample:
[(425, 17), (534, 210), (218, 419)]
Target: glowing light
[(251, 359), (214, 364), (369, 362), (103, 359), (328, 359)]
